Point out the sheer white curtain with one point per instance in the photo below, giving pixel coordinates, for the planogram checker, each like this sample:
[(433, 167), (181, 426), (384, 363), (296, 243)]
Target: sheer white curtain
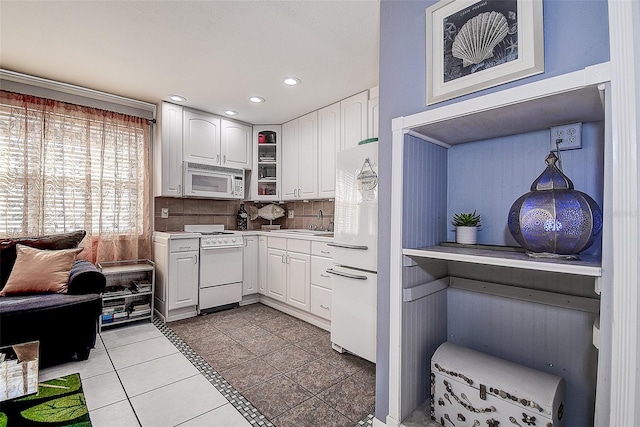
[(65, 167)]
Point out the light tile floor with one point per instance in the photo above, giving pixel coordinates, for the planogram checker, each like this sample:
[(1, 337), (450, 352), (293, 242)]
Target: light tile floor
[(136, 377)]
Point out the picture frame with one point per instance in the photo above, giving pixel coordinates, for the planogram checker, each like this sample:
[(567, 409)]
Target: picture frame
[(473, 45)]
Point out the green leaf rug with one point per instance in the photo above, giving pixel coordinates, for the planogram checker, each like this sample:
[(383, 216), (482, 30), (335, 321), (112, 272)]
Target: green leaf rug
[(59, 402)]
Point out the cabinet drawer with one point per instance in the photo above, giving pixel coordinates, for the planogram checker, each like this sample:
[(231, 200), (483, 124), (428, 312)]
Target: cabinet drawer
[(321, 302), (184, 245), (297, 245), (277, 243), (319, 275), (321, 249)]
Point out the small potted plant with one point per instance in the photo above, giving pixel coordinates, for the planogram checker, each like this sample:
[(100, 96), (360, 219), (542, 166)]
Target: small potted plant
[(466, 227)]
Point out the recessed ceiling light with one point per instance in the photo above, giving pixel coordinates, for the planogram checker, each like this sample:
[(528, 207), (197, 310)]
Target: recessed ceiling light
[(291, 81), (256, 99), (230, 112), (177, 98)]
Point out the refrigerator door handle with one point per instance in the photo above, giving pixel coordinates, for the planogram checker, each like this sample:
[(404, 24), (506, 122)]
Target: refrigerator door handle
[(341, 245), (347, 275)]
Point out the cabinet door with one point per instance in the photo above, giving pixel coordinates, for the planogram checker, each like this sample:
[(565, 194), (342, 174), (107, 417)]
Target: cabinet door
[(168, 152), (373, 119), (276, 274), (250, 266), (307, 155), (290, 160), (201, 140), (298, 280), (266, 175), (235, 141), (262, 265), (353, 121), (183, 280), (328, 146)]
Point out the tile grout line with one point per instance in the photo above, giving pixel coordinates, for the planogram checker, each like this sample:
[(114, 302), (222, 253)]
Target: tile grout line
[(120, 381), (235, 398), (224, 387)]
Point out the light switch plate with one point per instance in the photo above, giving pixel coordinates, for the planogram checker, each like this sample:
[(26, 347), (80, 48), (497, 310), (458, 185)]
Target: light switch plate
[(164, 213), (290, 213)]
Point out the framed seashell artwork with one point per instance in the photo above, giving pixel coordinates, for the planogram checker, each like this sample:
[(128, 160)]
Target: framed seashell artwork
[(474, 45)]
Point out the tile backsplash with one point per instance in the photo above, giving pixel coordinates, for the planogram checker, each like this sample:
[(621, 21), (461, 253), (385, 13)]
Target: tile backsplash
[(200, 211)]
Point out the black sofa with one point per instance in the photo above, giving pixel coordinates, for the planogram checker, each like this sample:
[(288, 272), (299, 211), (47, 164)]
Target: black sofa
[(65, 324)]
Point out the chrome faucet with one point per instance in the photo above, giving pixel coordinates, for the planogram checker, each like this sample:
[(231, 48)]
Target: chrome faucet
[(321, 218)]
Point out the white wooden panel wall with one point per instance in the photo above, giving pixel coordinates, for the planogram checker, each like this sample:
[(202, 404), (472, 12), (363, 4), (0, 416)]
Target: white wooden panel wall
[(550, 339)]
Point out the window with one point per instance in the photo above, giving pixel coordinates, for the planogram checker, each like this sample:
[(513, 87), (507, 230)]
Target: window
[(65, 167)]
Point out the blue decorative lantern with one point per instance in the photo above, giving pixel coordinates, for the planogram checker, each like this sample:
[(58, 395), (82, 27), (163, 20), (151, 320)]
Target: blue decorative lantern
[(553, 218)]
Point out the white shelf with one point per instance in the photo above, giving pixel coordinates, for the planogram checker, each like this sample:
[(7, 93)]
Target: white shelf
[(583, 267), (572, 97), (121, 267)]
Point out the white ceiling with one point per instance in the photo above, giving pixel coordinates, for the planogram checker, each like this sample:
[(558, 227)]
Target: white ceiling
[(215, 53)]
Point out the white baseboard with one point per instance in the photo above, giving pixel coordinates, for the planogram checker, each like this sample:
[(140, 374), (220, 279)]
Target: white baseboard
[(302, 315), (378, 423)]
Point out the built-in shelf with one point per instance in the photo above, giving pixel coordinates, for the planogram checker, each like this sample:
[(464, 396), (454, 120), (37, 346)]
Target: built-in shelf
[(583, 267), (573, 97)]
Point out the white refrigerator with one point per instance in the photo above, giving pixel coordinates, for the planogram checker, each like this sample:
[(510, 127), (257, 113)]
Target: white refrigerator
[(355, 252)]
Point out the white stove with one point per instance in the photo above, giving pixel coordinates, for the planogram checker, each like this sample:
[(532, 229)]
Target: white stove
[(220, 266), (215, 235)]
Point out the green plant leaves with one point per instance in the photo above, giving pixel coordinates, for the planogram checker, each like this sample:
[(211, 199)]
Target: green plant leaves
[(56, 387), (3, 419), (466, 220), (58, 410)]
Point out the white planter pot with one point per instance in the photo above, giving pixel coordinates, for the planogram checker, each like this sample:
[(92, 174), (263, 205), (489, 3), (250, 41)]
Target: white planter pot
[(467, 235)]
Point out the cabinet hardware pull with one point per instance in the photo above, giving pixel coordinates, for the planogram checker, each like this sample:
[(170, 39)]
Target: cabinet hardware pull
[(217, 158), (282, 258), (324, 306), (288, 259), (224, 159), (299, 192), (347, 275), (324, 275), (325, 252), (340, 245), (184, 247), (295, 192), (179, 190), (196, 259)]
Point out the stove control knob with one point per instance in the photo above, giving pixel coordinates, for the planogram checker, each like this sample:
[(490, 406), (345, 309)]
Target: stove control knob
[(226, 240)]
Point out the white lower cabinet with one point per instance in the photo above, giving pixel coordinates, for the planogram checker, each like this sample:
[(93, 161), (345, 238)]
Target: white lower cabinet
[(262, 265), (250, 266), (321, 281), (321, 302), (177, 266), (289, 271), (276, 274), (298, 279)]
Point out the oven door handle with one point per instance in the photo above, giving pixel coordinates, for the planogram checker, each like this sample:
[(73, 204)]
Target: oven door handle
[(211, 248)]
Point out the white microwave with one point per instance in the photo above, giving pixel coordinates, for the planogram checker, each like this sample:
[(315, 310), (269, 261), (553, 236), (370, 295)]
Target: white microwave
[(213, 182)]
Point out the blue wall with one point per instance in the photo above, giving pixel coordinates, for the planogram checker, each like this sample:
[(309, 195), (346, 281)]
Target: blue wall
[(576, 36)]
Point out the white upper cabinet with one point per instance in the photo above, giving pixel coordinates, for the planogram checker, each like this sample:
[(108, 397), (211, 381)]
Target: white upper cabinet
[(354, 111), (299, 157), (307, 155), (290, 132), (168, 151), (201, 139), (374, 113), (266, 176), (328, 146), (235, 141)]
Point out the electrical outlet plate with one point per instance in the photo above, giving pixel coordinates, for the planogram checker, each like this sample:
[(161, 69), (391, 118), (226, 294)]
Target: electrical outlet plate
[(569, 137), (164, 213), (291, 213)]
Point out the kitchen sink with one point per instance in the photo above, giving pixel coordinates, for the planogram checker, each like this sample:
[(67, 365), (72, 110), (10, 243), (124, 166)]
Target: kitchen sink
[(305, 232)]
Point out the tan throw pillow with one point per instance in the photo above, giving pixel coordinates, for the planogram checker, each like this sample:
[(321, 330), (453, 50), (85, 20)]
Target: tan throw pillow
[(37, 270)]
